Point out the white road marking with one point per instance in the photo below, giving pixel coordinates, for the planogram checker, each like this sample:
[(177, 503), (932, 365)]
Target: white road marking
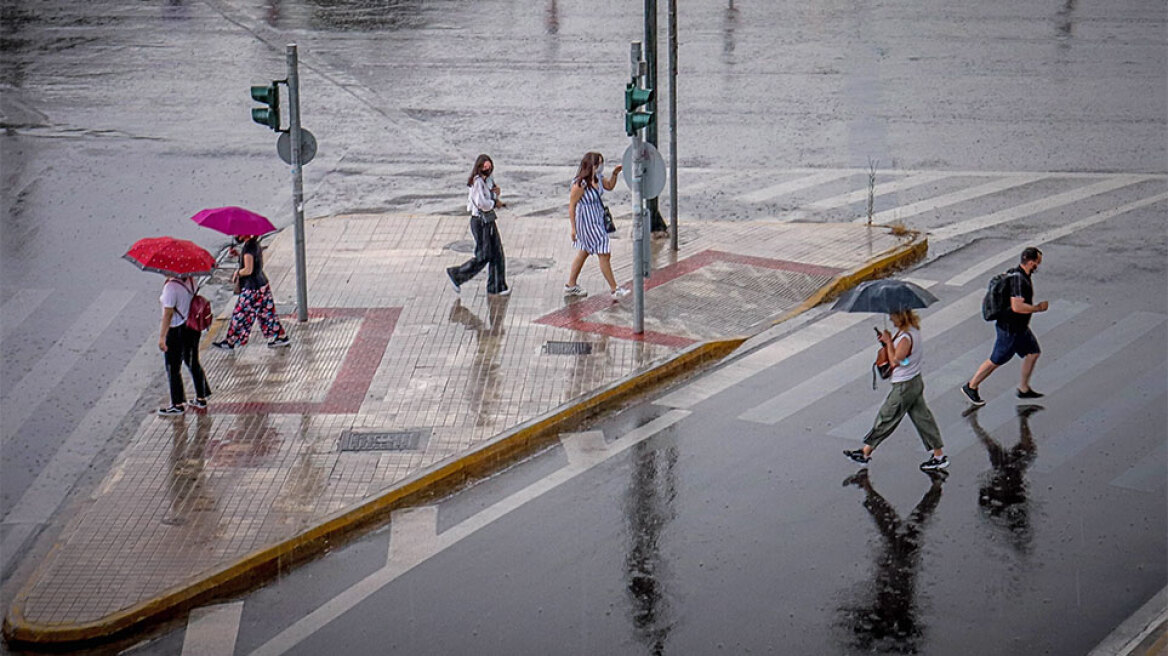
[(212, 630), (959, 228), (363, 589), (955, 372), (413, 535), (1127, 637), (782, 188), (857, 366), (1051, 377), (1011, 254), (764, 358), (54, 365), (881, 189), (18, 308), (584, 449), (56, 479), (1148, 474), (1092, 426), (945, 200)]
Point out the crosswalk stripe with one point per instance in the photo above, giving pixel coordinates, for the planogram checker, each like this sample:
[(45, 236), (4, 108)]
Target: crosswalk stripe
[(946, 379), (1011, 253), (858, 365), (880, 189), (764, 358), (1052, 377), (18, 308), (776, 190), (1033, 207), (1092, 425), (212, 630), (945, 200), (51, 369), (413, 534), (1148, 474)]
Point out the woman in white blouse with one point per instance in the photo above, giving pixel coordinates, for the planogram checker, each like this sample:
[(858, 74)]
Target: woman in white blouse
[(482, 199)]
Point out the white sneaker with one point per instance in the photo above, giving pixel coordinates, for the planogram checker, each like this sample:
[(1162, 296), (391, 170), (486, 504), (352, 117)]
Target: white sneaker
[(574, 290), (619, 293)]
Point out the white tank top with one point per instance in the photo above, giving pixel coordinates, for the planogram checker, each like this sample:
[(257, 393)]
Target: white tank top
[(910, 366)]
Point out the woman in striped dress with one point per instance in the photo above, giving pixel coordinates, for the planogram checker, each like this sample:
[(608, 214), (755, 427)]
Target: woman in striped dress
[(586, 214)]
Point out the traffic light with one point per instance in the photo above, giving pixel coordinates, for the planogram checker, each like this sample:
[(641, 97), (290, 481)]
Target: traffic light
[(634, 98), (270, 96)]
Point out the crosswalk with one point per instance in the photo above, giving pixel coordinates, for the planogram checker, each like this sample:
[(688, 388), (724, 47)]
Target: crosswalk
[(794, 194)]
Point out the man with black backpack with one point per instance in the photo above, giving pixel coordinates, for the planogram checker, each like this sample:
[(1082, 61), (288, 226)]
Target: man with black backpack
[(1013, 326)]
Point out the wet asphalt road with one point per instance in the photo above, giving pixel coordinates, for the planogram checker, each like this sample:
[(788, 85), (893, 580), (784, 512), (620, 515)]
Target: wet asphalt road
[(122, 120), (739, 527)]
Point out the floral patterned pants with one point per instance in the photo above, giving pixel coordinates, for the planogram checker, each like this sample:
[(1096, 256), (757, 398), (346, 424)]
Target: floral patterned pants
[(254, 304)]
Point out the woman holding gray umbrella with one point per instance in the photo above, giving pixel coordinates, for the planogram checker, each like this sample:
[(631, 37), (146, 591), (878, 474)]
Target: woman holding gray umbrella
[(904, 351)]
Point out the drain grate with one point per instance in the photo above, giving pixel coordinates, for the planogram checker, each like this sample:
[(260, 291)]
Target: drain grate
[(382, 441), (567, 348)]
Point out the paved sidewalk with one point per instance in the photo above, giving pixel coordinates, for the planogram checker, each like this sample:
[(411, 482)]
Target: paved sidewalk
[(393, 377)]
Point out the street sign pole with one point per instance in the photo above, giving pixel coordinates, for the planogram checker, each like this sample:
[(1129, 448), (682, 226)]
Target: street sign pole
[(673, 124), (656, 223), (297, 181), (639, 223)]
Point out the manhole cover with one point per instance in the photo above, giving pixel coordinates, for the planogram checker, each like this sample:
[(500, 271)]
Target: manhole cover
[(567, 348), (382, 441)]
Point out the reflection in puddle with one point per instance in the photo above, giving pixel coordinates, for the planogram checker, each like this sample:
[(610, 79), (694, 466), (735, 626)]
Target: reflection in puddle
[(884, 617), (1003, 496), (648, 509)]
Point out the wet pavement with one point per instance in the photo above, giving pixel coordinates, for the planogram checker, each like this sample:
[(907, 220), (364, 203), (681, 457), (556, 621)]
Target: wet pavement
[(688, 524), (392, 376)]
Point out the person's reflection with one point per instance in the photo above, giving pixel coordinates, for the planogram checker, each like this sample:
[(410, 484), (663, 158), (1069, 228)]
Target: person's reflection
[(1002, 497), (1065, 23), (187, 462), (552, 18), (886, 619), (484, 389), (648, 508), (729, 26)]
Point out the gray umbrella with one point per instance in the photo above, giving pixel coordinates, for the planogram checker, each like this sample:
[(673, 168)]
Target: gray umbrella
[(886, 295)]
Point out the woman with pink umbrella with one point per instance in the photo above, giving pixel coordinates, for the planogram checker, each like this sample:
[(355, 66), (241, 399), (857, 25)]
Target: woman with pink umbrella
[(255, 295), (178, 260)]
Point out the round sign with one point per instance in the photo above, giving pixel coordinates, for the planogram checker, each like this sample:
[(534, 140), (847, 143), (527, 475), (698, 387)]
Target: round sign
[(654, 176), (307, 147)]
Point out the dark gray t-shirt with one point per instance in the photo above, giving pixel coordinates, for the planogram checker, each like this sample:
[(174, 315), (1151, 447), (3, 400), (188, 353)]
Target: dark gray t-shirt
[(257, 279)]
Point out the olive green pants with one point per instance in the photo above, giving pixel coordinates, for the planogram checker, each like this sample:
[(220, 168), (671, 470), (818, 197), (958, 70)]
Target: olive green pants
[(905, 398)]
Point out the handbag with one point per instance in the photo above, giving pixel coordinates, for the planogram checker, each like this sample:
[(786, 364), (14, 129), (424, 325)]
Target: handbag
[(882, 366), (609, 226)]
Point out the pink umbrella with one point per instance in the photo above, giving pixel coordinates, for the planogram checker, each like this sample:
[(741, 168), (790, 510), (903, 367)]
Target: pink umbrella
[(234, 221)]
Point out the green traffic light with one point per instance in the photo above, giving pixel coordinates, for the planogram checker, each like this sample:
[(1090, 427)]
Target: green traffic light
[(635, 97), (636, 121), (269, 94)]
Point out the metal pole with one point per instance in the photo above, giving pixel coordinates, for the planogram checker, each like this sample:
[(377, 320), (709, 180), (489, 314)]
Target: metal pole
[(638, 214), (657, 223), (673, 124), (297, 181)]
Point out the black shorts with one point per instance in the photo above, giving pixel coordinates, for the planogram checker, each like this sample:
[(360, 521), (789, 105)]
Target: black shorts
[(1009, 344)]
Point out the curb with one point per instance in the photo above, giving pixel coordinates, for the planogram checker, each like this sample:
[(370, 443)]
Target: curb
[(442, 477)]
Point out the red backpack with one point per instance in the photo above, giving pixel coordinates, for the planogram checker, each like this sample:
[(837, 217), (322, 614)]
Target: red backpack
[(199, 315)]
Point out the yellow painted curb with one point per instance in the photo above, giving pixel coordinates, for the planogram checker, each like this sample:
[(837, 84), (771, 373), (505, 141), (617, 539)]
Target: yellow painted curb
[(443, 476)]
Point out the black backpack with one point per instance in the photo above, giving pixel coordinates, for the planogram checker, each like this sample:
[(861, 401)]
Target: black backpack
[(996, 304)]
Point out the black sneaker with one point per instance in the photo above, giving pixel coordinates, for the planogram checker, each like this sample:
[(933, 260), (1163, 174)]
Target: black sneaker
[(172, 411), (200, 404), (223, 344), (453, 285), (935, 463), (1029, 394), (857, 456), (972, 395), (279, 342)]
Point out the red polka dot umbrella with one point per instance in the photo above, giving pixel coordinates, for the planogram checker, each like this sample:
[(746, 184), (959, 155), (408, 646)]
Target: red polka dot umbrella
[(170, 256)]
